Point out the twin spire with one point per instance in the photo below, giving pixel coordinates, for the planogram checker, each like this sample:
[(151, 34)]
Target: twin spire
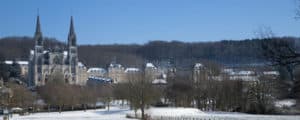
[(72, 31), (38, 25), (71, 37)]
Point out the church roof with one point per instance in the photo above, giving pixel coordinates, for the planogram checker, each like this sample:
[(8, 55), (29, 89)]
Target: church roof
[(100, 70), (132, 70), (150, 65)]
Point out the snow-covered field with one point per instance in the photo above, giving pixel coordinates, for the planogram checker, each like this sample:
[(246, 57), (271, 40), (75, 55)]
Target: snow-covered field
[(195, 114), (117, 113)]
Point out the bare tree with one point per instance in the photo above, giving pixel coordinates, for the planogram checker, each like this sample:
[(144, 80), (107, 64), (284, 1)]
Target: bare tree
[(105, 93), (260, 98), (55, 92), (120, 92), (22, 97), (297, 89), (297, 9), (205, 84), (141, 92), (180, 92), (281, 53), (87, 96)]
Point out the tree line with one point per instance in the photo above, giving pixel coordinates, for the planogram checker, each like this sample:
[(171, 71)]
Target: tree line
[(247, 51)]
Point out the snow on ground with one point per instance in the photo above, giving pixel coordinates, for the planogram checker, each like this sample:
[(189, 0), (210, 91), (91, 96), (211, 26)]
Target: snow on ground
[(170, 113), (115, 113), (285, 103), (174, 111), (195, 114)]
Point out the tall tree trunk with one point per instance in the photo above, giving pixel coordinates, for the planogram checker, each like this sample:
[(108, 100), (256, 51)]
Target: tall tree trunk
[(135, 113), (290, 70), (143, 110), (108, 106), (198, 103), (60, 107), (48, 107)]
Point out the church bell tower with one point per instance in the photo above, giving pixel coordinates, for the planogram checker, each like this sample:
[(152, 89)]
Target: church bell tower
[(72, 55), (38, 54)]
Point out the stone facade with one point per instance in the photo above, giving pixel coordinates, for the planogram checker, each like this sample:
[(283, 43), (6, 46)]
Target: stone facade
[(117, 73), (43, 63)]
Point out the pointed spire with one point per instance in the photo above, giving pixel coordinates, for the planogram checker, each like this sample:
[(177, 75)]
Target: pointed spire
[(72, 35), (71, 27), (38, 25), (38, 33)]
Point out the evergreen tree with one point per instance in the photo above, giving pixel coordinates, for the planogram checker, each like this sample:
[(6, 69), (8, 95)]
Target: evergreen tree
[(3, 69), (15, 70)]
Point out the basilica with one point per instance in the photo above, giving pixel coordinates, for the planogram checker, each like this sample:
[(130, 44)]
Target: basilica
[(45, 62)]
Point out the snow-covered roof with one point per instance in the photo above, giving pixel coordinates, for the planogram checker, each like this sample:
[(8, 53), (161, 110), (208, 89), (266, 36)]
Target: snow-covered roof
[(244, 78), (150, 65), (228, 70), (159, 81), (271, 73), (198, 65), (31, 52), (80, 64), (100, 70), (164, 75), (65, 53), (240, 73), (45, 51), (132, 70), (9, 62), (22, 62), (115, 65), (245, 73), (100, 79)]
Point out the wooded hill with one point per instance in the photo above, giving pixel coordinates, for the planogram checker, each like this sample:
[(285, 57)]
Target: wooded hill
[(229, 52)]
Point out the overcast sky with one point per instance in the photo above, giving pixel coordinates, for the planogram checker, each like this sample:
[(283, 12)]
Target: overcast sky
[(138, 21)]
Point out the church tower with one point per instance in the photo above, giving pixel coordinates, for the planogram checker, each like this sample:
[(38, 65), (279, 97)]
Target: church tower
[(38, 55), (72, 54)]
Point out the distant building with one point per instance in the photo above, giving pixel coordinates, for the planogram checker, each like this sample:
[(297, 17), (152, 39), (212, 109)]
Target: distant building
[(117, 73), (43, 63), (97, 72), (151, 71), (131, 70), (244, 74), (198, 72), (239, 74), (23, 67), (155, 74)]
